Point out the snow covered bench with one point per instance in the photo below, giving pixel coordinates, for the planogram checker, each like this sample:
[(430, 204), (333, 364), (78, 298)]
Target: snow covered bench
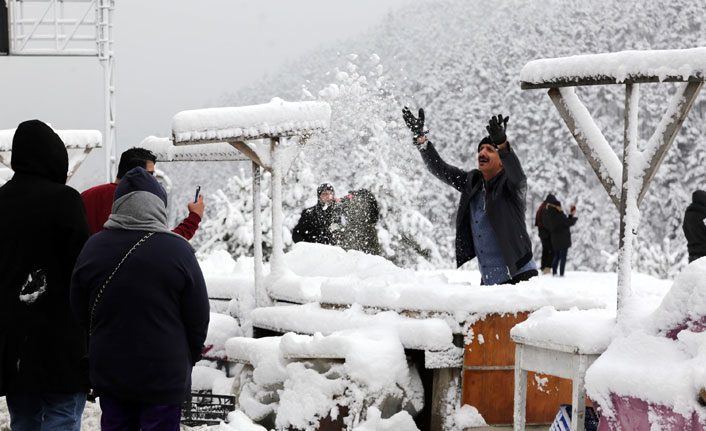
[(79, 144), (653, 370)]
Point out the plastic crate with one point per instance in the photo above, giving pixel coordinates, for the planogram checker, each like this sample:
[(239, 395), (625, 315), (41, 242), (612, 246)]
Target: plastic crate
[(562, 422), (206, 408)]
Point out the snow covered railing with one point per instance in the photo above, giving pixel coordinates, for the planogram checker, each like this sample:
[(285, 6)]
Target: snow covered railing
[(417, 334), (626, 181), (79, 144), (166, 151), (636, 67), (275, 119)]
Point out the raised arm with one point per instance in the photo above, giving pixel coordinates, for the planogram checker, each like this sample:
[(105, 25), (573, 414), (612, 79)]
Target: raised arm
[(451, 175)]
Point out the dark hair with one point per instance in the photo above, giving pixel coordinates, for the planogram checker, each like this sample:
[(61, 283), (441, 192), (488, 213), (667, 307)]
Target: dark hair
[(133, 158)]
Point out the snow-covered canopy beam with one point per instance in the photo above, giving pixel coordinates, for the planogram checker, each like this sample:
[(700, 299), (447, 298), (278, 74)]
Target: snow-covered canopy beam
[(166, 151), (79, 144), (236, 125), (625, 181), (626, 67)]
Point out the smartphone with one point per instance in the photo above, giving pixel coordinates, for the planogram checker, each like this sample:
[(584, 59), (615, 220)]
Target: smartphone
[(573, 208), (198, 190)]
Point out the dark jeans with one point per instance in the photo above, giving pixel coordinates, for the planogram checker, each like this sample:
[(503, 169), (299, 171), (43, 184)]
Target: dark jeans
[(547, 253), (559, 260), (46, 412), (121, 415)]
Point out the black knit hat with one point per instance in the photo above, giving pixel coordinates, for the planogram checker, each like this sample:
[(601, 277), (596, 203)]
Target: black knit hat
[(485, 141), (324, 187), (138, 179)]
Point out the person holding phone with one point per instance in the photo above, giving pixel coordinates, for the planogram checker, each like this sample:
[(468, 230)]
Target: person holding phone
[(98, 200), (559, 226)]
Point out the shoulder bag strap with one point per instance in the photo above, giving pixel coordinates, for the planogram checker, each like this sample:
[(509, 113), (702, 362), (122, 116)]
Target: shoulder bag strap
[(110, 277)]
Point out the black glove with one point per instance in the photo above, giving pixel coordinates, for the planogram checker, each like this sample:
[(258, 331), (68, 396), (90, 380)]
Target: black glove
[(496, 129), (416, 125)]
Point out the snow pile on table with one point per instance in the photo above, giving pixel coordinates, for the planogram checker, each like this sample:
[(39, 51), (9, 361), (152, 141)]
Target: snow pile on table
[(297, 380), (648, 366), (277, 118), (220, 328), (73, 139), (619, 66)]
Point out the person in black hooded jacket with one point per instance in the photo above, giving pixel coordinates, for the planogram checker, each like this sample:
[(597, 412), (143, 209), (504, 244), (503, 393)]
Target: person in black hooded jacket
[(43, 227), (695, 226), (559, 226)]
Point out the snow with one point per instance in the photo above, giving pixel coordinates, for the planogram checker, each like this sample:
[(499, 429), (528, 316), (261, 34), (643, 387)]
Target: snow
[(277, 118), (401, 421), (326, 274), (220, 328), (423, 334), (166, 151), (73, 139), (643, 363), (619, 66)]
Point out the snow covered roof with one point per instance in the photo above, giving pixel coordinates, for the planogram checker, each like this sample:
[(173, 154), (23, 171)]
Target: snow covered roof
[(274, 119), (617, 67), (166, 151), (73, 139)]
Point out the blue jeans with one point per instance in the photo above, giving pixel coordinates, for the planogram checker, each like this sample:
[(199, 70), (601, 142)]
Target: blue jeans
[(46, 412), (560, 261)]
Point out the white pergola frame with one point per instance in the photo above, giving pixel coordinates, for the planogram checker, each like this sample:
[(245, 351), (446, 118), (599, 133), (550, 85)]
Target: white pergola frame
[(47, 31), (78, 152), (626, 188), (212, 143)]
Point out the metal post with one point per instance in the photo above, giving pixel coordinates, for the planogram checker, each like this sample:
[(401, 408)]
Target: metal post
[(628, 197), (277, 260), (257, 232), (104, 41), (4, 29)]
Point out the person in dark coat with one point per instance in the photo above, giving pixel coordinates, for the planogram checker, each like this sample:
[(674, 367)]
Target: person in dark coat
[(559, 225), (695, 226), (147, 323), (547, 250), (360, 214), (490, 222), (319, 223), (42, 348)]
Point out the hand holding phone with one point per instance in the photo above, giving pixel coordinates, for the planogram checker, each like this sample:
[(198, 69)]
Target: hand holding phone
[(198, 190)]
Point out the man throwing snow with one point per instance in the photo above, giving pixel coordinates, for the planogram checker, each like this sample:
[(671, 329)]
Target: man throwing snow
[(490, 222)]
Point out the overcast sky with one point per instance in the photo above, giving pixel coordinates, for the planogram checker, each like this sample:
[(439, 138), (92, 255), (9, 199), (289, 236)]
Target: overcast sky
[(173, 55)]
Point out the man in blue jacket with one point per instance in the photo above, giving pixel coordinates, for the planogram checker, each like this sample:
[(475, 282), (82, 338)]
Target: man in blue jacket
[(490, 222), (139, 291)]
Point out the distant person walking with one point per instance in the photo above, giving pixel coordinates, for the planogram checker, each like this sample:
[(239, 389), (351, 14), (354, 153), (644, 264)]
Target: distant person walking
[(544, 236), (559, 226), (695, 226), (139, 291)]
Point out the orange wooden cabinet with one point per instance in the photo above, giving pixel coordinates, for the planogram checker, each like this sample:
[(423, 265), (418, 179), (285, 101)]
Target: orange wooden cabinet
[(488, 375)]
